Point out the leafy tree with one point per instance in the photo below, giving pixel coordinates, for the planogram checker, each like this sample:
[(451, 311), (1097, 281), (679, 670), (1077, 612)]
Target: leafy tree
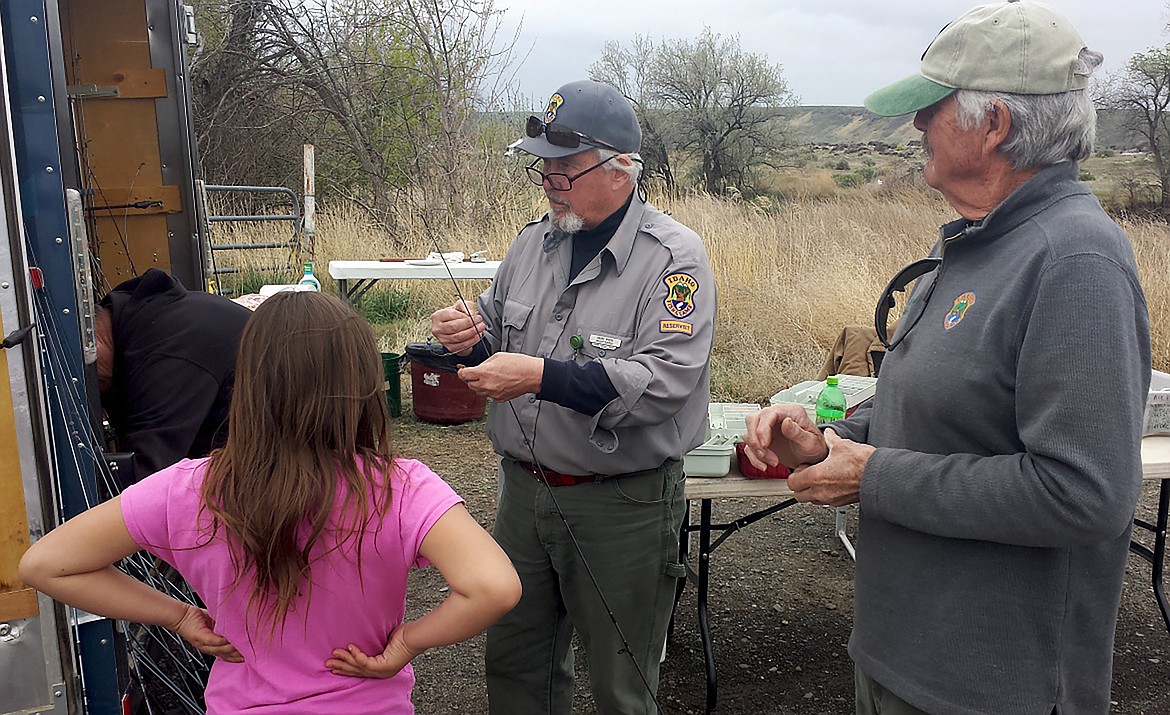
[(713, 102), (1142, 92)]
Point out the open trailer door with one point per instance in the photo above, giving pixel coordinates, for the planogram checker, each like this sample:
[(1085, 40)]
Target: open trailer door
[(36, 655)]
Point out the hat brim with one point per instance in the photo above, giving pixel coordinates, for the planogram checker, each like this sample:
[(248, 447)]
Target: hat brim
[(539, 147), (907, 96)]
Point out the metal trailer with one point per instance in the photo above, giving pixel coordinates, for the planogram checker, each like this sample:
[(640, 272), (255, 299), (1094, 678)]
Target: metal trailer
[(97, 184)]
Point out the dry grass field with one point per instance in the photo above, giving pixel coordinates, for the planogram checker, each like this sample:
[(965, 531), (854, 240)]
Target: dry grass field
[(790, 274)]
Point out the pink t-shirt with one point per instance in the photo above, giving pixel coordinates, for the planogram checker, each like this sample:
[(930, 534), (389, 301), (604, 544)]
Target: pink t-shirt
[(286, 673)]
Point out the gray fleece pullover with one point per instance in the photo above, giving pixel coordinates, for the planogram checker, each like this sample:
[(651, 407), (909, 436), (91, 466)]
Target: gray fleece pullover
[(996, 510)]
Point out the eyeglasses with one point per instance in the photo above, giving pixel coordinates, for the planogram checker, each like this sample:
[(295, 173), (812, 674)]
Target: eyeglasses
[(562, 136), (558, 181), (899, 284)]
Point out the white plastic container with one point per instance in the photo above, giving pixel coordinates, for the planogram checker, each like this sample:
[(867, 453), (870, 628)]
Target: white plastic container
[(857, 389), (272, 289), (710, 459), (1157, 418)]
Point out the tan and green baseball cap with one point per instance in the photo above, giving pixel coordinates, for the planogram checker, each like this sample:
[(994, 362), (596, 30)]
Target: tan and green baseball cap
[(1016, 46)]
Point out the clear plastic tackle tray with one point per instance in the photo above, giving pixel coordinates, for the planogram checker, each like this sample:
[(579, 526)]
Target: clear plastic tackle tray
[(729, 418)]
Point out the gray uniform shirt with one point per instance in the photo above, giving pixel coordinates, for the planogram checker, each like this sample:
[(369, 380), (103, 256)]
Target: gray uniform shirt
[(644, 308)]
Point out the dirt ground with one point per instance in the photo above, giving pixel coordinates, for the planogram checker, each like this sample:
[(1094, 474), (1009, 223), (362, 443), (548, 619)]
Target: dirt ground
[(780, 605)]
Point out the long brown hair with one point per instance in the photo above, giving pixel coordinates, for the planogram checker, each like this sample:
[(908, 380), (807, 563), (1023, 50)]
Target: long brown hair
[(307, 416)]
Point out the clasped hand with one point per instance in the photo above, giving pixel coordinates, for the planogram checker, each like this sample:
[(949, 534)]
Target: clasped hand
[(352, 662), (504, 376), (826, 468), (197, 628), (458, 327)]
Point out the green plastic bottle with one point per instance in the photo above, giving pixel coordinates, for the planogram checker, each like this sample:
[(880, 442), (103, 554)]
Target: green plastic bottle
[(831, 403), (309, 279)]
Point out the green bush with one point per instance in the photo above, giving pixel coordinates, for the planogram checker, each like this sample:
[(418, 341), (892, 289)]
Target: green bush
[(849, 181), (379, 306), (842, 165), (1105, 153), (1087, 176)]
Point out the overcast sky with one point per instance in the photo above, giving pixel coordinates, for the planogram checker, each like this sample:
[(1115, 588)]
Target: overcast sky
[(833, 52)]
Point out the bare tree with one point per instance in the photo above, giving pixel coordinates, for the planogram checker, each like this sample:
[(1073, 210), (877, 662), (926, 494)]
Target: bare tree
[(387, 89), (240, 122), (1142, 93), (628, 69)]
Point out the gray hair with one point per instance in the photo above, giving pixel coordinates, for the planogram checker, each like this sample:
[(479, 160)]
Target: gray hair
[(1046, 129), (633, 169)]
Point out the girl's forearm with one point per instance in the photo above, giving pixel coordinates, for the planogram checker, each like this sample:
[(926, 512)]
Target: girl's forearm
[(454, 620), (109, 592)]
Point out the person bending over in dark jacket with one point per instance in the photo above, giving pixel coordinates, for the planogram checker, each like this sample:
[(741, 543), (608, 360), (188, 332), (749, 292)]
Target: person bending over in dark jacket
[(166, 362)]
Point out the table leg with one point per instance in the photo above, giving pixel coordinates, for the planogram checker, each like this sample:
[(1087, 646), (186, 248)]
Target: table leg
[(842, 514), (343, 290), (1159, 562), (704, 627), (1157, 555)]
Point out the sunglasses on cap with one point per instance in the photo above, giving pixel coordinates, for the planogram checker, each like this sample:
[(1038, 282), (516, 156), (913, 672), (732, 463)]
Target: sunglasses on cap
[(898, 284), (562, 136)]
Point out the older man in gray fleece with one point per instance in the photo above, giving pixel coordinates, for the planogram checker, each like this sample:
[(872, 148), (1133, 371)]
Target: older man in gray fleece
[(998, 465)]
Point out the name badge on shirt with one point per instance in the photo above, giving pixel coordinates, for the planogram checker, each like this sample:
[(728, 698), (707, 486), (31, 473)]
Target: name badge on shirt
[(604, 342)]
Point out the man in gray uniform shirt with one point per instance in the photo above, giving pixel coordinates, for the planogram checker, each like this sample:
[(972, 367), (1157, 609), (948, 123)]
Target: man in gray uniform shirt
[(596, 340), (998, 466)]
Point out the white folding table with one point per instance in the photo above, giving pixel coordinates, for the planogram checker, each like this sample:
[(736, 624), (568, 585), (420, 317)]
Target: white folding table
[(355, 278)]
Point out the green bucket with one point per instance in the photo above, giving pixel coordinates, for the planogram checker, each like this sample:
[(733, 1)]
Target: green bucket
[(392, 371)]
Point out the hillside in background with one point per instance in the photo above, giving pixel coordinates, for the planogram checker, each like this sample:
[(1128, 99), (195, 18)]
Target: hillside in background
[(855, 125)]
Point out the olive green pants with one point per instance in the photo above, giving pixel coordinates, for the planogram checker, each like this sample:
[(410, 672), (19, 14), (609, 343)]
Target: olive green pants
[(627, 528), (874, 699)]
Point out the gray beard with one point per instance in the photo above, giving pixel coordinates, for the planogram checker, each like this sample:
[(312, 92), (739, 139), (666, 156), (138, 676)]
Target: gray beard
[(569, 223), (563, 227)]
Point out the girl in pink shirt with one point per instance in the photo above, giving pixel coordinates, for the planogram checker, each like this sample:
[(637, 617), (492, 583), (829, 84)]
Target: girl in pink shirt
[(298, 534)]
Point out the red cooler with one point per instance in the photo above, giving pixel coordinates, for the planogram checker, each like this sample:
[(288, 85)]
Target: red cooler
[(441, 397)]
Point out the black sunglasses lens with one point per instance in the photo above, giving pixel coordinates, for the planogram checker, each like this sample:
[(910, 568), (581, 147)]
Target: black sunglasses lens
[(561, 137), (565, 138)]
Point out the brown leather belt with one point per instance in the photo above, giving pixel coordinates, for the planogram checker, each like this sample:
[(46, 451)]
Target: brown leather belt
[(557, 479)]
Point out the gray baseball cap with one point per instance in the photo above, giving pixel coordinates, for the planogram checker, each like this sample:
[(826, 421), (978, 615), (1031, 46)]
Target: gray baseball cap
[(1017, 46), (582, 115)]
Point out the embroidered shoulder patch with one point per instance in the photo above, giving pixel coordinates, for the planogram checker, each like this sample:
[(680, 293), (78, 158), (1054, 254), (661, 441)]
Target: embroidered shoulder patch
[(958, 310), (674, 326), (680, 294)]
